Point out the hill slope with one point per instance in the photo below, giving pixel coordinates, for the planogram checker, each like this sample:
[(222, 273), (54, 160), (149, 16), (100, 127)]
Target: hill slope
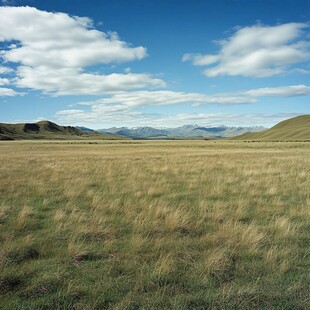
[(293, 129), (48, 130)]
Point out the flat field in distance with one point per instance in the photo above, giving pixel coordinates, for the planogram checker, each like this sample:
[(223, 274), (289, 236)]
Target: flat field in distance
[(154, 225)]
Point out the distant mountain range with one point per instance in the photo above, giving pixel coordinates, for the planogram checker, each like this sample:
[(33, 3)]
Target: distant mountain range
[(293, 129), (187, 131), (49, 130), (85, 129)]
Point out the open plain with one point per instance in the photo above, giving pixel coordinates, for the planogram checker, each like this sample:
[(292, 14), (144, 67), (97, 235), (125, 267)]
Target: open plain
[(154, 225)]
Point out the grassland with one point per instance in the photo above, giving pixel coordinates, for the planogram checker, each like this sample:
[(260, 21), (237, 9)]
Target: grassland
[(46, 130), (154, 225), (292, 129)]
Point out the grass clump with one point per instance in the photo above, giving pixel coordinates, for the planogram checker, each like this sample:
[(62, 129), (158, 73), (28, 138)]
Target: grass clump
[(9, 283), (22, 254)]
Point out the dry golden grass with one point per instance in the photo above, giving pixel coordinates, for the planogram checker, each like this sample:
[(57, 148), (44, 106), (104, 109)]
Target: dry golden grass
[(154, 225)]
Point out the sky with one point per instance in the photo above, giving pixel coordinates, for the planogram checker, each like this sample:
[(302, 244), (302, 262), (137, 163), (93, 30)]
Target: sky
[(159, 63)]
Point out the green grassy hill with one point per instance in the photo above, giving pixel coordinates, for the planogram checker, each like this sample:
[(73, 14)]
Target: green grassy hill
[(48, 130), (293, 129)]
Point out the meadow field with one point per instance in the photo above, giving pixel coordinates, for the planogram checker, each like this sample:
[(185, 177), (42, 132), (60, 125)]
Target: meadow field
[(154, 225)]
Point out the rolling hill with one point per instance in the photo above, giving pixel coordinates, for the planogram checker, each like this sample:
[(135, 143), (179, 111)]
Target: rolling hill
[(49, 130), (293, 129)]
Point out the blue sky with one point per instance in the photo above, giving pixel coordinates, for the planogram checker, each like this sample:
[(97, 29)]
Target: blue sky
[(161, 63)]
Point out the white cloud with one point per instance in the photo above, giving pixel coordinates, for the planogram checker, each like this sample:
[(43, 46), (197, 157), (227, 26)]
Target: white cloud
[(68, 81), (57, 40), (8, 92), (55, 48), (143, 98), (257, 51), (285, 91), (4, 81), (5, 70), (121, 108), (201, 60), (136, 119), (136, 99), (125, 108)]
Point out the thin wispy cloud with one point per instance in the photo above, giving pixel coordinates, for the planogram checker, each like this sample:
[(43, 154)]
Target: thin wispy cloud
[(145, 98), (284, 91), (7, 2), (125, 107), (257, 51), (157, 120)]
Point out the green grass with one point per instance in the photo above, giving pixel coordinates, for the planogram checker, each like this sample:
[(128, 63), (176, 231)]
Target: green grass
[(154, 225), (293, 129), (45, 130)]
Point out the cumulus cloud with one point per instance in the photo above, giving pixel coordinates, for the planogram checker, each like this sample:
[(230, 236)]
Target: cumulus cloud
[(257, 51), (55, 48), (8, 92), (57, 40), (5, 70), (4, 81)]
